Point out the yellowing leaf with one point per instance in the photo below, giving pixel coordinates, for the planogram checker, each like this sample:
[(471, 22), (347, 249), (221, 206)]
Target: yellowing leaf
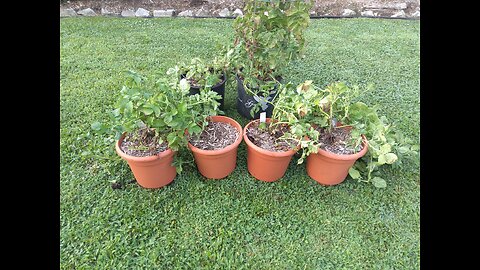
[(382, 160), (184, 85), (390, 158), (386, 148)]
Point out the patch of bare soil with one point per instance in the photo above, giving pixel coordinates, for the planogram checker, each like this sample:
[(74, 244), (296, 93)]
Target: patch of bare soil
[(215, 136), (269, 138), (142, 143)]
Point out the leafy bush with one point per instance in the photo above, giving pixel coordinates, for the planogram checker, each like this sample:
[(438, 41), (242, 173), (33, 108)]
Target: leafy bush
[(306, 108), (165, 108), (203, 74), (267, 38)]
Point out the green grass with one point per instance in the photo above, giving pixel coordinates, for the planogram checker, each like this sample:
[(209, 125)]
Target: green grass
[(237, 222)]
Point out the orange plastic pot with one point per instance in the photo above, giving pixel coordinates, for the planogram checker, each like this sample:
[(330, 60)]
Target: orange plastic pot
[(152, 171), (218, 164), (331, 169), (266, 165)]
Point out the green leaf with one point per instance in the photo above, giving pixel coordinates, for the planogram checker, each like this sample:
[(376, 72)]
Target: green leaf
[(115, 113), (355, 174), (390, 158), (129, 107), (195, 129), (179, 168), (149, 121), (382, 160), (403, 149), (252, 112), (386, 148), (97, 126), (172, 138), (300, 161), (158, 123), (182, 107), (146, 111), (176, 122), (379, 182), (156, 109), (168, 118)]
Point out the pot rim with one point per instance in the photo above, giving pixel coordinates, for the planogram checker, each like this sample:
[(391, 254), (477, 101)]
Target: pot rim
[(125, 156), (224, 76), (280, 78), (261, 150), (223, 150), (346, 157)]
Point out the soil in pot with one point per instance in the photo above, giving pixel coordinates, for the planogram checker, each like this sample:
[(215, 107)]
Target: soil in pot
[(335, 156), (142, 143), (215, 149), (268, 139), (337, 141), (215, 136), (268, 156), (150, 162)]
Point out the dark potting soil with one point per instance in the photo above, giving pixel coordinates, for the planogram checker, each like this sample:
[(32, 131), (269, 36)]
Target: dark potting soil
[(215, 136), (193, 82), (337, 141), (142, 143), (270, 139)]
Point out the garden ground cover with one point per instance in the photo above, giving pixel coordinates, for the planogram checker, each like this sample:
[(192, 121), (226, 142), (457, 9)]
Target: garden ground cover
[(237, 222)]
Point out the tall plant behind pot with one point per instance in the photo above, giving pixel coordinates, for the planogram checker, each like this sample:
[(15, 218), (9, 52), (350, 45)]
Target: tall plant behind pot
[(219, 162), (271, 143), (211, 76), (250, 106), (150, 122), (267, 37), (341, 137)]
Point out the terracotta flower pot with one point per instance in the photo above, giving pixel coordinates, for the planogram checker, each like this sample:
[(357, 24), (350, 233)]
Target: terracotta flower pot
[(217, 164), (331, 169), (266, 165), (152, 171)]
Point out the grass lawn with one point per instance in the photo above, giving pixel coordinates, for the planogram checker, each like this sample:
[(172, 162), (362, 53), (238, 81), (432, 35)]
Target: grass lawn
[(238, 222)]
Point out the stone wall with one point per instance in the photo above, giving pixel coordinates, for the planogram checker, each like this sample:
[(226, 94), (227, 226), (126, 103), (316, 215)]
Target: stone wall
[(232, 8)]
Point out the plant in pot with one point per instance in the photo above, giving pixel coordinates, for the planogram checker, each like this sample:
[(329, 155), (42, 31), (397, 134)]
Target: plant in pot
[(267, 37), (215, 148), (151, 122), (340, 137), (202, 75), (271, 143)]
